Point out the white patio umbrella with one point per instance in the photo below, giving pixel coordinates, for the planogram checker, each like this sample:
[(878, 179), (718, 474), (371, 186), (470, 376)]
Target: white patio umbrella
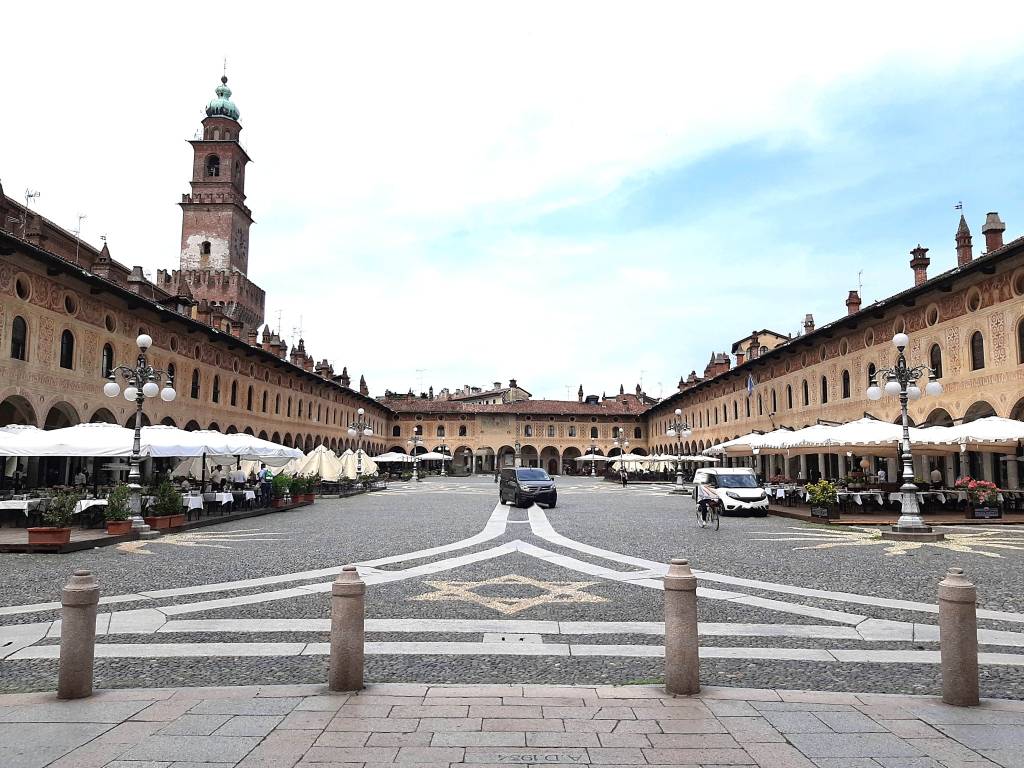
[(394, 458), (351, 464), (321, 461), (434, 456), (592, 457), (743, 446), (992, 434)]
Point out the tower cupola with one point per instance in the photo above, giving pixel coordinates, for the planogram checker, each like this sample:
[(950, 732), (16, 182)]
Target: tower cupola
[(222, 106)]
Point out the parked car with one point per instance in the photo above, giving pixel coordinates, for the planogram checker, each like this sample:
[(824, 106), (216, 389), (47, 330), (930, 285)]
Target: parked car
[(736, 487), (525, 485)]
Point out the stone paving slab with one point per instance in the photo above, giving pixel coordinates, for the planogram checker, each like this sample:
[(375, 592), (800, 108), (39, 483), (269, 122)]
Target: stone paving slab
[(446, 726)]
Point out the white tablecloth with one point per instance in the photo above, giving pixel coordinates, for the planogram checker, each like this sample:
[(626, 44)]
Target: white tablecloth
[(84, 504), (223, 498), (192, 502), (22, 505), (859, 496)]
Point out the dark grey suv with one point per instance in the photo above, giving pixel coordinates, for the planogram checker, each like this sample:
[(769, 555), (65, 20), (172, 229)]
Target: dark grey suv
[(524, 485)]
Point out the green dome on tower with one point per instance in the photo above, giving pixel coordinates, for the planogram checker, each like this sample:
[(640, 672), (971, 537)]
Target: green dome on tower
[(222, 106)]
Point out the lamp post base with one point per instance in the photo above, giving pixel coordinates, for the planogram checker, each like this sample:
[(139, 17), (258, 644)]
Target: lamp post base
[(923, 533)]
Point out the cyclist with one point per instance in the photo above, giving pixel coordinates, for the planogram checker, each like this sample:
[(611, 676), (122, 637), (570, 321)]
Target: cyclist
[(707, 498)]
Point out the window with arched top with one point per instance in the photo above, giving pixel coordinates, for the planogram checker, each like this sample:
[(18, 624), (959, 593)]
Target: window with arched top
[(213, 166), (846, 384), (440, 430), (67, 350), (593, 433), (977, 351), (528, 430), (638, 433), (204, 248), (172, 374), (216, 389), (19, 338), (872, 369), (760, 406), (824, 390), (935, 360), (1020, 343), (194, 390), (106, 360), (234, 393), (418, 429), (806, 393), (300, 408), (396, 431), (248, 400), (789, 397), (462, 430), (735, 410), (288, 407), (775, 402), (264, 408), (277, 404), (747, 406)]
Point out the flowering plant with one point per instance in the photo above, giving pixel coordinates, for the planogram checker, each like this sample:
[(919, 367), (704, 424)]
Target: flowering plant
[(777, 479), (822, 494), (981, 492)]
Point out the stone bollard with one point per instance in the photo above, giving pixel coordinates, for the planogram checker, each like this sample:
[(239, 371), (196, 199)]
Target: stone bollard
[(347, 613), (77, 636), (958, 639), (682, 658)]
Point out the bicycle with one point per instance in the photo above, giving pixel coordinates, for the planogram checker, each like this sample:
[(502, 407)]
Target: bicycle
[(708, 514)]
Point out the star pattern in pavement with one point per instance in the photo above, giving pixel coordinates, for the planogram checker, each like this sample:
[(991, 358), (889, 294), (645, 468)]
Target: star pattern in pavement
[(551, 592)]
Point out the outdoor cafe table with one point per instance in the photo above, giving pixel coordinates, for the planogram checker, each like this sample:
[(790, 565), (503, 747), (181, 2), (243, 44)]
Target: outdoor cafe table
[(191, 501), (25, 506), (247, 496), (858, 497), (221, 498)]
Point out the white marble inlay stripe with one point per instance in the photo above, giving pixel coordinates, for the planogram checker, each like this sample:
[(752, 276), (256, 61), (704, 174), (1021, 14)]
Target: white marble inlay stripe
[(199, 650)]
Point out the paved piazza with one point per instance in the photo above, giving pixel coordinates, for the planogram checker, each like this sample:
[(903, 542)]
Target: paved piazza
[(463, 590)]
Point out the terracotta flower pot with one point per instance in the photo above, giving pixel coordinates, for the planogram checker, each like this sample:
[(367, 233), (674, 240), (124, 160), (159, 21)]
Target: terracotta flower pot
[(159, 523), (49, 535), (119, 527), (278, 502), (175, 521)]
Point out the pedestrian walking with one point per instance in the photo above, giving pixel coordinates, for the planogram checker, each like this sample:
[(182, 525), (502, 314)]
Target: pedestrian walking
[(265, 476), (623, 476)]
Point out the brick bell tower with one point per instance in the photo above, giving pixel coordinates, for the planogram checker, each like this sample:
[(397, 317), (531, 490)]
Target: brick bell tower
[(215, 219)]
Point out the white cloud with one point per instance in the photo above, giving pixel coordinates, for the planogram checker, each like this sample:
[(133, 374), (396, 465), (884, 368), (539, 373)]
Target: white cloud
[(378, 130)]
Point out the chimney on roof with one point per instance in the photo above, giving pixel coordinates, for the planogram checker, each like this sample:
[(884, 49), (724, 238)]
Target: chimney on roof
[(430, 392), (964, 247), (511, 383), (993, 229), (497, 385), (740, 357), (853, 303), (345, 380), (919, 262), (236, 328), (622, 390), (808, 323), (252, 337), (363, 389), (638, 390), (579, 393)]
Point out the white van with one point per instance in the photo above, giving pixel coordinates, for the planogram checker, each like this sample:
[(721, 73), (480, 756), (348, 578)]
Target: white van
[(737, 487)]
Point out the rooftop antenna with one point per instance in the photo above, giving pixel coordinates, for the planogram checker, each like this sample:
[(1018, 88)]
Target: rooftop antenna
[(419, 378), (78, 233), (279, 322), (642, 372), (225, 66), (568, 391), (661, 389), (29, 197), (860, 283)]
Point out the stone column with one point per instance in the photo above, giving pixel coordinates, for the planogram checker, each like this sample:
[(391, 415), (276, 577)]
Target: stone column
[(803, 467), (842, 465), (347, 613), (1012, 471), (892, 470), (986, 467), (77, 636), (949, 467), (958, 639), (823, 465), (682, 658)]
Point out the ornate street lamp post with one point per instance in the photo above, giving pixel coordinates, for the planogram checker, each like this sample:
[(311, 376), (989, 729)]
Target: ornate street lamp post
[(416, 441), (141, 382), (680, 430), (593, 458), (901, 380), (357, 429), (468, 456), (623, 445), (441, 449), (517, 459)]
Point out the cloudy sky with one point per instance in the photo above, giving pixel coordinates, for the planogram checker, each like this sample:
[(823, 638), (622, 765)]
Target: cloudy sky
[(563, 193)]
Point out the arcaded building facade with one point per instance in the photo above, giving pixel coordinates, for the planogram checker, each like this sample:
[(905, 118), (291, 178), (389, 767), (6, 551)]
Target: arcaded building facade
[(69, 312), (967, 322)]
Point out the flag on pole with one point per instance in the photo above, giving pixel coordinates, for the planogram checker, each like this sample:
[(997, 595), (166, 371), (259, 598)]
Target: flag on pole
[(750, 384)]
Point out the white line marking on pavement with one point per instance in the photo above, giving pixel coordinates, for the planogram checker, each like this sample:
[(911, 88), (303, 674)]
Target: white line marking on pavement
[(194, 650)]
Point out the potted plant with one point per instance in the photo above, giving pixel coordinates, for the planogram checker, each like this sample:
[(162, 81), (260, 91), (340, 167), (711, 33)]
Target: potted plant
[(117, 513), (58, 520), (297, 488), (166, 510), (823, 499), (281, 485), (982, 498), (312, 483)]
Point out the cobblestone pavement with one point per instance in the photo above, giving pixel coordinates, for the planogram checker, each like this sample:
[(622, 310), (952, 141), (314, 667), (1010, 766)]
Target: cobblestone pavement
[(306, 726), (463, 590)]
